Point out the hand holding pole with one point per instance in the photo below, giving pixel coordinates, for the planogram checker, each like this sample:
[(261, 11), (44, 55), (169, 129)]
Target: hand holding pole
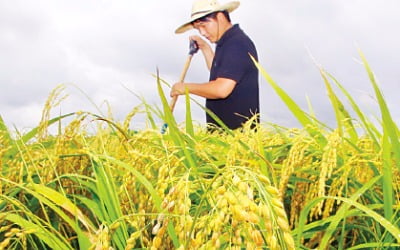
[(193, 48)]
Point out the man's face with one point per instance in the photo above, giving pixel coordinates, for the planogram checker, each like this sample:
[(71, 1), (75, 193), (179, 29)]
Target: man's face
[(209, 28)]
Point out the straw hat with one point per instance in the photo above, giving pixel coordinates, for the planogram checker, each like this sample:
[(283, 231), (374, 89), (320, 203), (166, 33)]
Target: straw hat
[(202, 8)]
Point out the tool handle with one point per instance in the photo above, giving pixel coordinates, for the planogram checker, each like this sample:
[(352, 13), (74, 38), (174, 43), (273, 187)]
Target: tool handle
[(181, 79)]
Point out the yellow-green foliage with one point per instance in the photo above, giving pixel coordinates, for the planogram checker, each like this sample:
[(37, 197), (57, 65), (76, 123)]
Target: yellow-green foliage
[(96, 184), (246, 190)]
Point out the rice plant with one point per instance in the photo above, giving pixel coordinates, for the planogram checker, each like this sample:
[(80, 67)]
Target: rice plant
[(96, 184)]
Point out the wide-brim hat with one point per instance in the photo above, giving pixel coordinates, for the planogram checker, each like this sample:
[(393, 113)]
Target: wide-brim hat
[(201, 8)]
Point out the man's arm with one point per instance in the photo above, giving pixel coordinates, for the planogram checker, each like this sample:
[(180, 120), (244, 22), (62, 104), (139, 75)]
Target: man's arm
[(217, 89), (206, 49)]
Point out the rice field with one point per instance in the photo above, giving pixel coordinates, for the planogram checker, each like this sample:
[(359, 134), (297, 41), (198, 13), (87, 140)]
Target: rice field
[(97, 184)]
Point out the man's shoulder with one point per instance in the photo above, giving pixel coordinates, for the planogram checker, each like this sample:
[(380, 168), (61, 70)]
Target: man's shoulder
[(240, 41), (238, 35)]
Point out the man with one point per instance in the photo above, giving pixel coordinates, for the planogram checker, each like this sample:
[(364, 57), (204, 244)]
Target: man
[(232, 92)]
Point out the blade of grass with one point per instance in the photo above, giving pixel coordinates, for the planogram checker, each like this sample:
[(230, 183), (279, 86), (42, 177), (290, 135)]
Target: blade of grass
[(62, 201), (366, 123), (153, 193), (388, 124), (17, 144), (89, 184), (387, 180), (4, 130), (109, 201), (390, 143), (186, 152), (148, 110), (168, 116), (348, 202), (54, 204), (50, 238), (31, 134), (311, 109), (51, 198), (189, 121), (92, 205), (394, 230), (343, 118), (338, 217), (301, 116), (375, 245)]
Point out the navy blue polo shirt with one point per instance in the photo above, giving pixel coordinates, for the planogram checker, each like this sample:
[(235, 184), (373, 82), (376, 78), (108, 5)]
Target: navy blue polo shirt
[(232, 61)]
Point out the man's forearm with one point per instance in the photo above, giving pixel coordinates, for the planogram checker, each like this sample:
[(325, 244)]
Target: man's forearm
[(218, 89), (209, 56)]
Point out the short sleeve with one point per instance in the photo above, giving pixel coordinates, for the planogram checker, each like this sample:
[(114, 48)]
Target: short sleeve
[(235, 62)]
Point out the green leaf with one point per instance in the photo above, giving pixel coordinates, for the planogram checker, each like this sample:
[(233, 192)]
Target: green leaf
[(391, 228), (153, 193), (337, 217), (92, 205), (343, 119), (189, 121), (387, 180), (310, 108), (375, 245), (389, 126), (49, 238), (62, 201), (4, 130), (187, 153), (109, 202), (31, 134), (301, 116), (366, 123), (57, 200), (54, 201)]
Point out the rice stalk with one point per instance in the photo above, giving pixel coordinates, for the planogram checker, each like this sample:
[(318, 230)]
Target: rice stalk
[(54, 99)]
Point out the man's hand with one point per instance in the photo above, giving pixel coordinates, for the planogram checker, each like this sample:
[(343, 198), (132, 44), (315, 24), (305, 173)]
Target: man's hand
[(177, 89), (200, 42)]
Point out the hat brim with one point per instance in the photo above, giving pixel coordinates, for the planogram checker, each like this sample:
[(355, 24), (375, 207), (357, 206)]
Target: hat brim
[(231, 6)]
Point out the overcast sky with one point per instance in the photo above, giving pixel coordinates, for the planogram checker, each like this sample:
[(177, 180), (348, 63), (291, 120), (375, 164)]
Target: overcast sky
[(103, 47)]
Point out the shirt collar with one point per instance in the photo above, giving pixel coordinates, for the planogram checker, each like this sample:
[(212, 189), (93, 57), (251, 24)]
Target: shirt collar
[(228, 34)]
